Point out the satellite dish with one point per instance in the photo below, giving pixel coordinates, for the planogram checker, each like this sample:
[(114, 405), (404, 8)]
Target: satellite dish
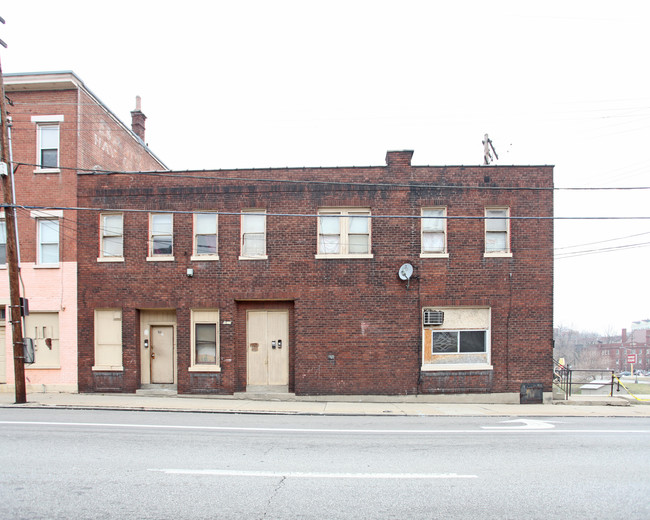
[(406, 271)]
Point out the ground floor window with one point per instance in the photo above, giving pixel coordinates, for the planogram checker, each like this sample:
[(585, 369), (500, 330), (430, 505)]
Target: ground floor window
[(108, 339), (205, 341), (43, 328), (456, 338)]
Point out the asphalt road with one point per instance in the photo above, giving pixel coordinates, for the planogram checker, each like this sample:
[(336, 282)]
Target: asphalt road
[(111, 464)]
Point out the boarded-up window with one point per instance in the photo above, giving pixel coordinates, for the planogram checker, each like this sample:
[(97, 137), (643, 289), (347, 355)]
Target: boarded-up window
[(43, 328), (108, 339)]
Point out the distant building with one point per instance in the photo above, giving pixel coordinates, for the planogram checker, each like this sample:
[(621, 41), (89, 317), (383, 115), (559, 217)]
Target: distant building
[(614, 353), (59, 129), (389, 280)]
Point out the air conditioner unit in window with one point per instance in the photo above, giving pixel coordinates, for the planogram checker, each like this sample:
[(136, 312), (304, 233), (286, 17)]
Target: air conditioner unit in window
[(434, 317)]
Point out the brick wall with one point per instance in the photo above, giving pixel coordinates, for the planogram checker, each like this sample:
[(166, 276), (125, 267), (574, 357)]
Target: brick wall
[(355, 326)]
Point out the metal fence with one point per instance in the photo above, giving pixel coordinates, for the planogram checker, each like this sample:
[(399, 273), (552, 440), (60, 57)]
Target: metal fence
[(566, 378)]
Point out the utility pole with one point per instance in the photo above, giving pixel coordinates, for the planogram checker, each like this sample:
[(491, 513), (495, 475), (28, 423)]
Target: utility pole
[(12, 252)]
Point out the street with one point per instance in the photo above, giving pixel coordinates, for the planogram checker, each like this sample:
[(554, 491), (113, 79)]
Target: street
[(123, 464)]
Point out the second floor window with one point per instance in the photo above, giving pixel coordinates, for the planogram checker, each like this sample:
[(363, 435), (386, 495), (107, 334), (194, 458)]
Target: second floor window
[(497, 231), (161, 235), (253, 234), (48, 146), (434, 227), (112, 236), (205, 235), (48, 241), (3, 242), (344, 232)]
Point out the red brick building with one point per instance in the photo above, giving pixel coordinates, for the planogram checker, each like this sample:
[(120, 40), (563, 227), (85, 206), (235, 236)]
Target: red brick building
[(614, 354), (58, 128), (391, 280)]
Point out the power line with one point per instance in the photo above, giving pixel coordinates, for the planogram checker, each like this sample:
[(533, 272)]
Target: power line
[(164, 173)]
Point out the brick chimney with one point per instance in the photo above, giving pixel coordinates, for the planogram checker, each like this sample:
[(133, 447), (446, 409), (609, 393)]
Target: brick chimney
[(137, 119), (623, 335), (399, 158)]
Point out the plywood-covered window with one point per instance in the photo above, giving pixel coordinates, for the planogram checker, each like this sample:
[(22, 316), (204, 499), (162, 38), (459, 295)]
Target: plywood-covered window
[(108, 339)]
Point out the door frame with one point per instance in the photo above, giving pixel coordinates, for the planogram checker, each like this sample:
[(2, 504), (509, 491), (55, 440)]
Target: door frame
[(287, 349), (156, 318), (242, 306), (173, 353)]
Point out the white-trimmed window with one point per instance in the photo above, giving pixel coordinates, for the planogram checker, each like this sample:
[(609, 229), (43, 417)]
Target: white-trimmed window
[(457, 339), (344, 233), (161, 236), (108, 340), (434, 232), (48, 142), (3, 242), (205, 341), (205, 237), (48, 241), (253, 234), (112, 237), (497, 232)]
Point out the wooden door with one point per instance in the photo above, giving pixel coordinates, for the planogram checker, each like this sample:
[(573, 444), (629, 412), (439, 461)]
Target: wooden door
[(267, 348), (162, 354)]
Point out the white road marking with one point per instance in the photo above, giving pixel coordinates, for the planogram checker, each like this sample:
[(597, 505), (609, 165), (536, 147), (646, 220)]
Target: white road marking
[(300, 474), (528, 424), (484, 429)]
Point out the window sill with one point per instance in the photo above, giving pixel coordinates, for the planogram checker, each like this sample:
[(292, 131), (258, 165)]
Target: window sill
[(106, 368), (204, 368), (497, 255), (110, 259), (343, 257), (434, 255), (263, 257), (465, 367), (204, 258), (160, 259), (47, 170), (42, 367), (47, 266)]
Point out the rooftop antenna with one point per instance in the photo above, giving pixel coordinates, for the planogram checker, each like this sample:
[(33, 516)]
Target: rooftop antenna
[(488, 149)]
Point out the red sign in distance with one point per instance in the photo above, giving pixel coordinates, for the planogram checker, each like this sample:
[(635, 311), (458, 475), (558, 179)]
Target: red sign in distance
[(631, 358)]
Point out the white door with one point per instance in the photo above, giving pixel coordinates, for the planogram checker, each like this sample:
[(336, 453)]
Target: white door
[(162, 354), (267, 334)]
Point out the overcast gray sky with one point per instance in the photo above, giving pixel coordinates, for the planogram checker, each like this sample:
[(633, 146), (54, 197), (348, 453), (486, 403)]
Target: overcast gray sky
[(238, 84)]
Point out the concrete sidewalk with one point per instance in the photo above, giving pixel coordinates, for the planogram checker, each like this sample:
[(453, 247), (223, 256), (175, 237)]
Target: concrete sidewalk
[(576, 407)]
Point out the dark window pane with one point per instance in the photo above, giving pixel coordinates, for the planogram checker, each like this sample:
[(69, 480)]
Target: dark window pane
[(445, 342), (162, 246), (472, 341), (49, 158), (3, 253), (206, 244), (206, 343)]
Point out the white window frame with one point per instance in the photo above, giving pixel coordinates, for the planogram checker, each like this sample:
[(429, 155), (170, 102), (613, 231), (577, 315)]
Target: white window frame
[(459, 320), (195, 231), (345, 218), (243, 235), (492, 228), (44, 221), (204, 317), (160, 257), (99, 367), (3, 235), (423, 231), (47, 121), (105, 232)]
